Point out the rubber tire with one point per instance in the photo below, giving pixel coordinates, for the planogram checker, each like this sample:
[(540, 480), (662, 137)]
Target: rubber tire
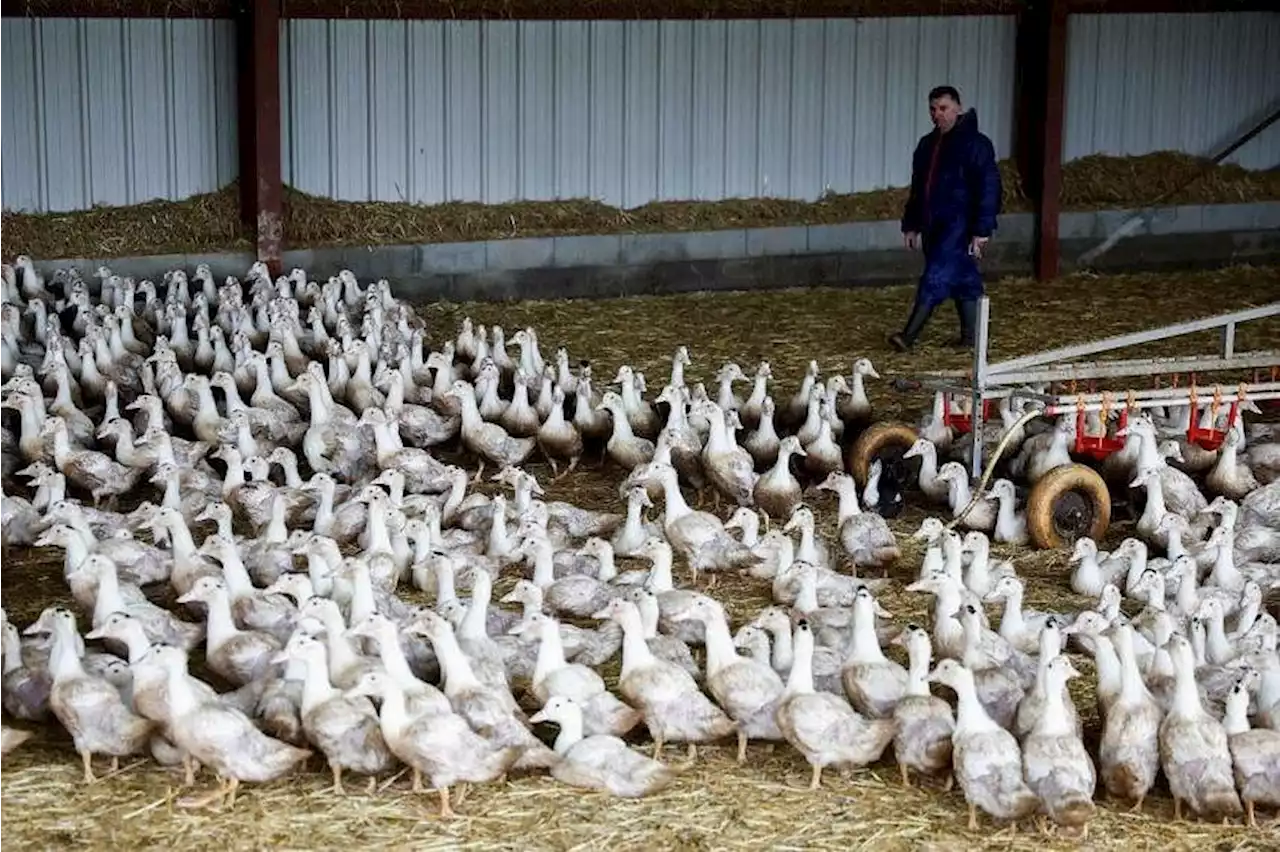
[(1045, 493), (874, 440)]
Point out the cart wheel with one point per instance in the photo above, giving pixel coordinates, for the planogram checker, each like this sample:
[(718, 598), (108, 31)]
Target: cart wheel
[(885, 441), (1068, 503)]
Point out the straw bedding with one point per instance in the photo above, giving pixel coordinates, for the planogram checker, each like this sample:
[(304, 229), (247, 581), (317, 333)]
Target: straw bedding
[(716, 804), (211, 222)]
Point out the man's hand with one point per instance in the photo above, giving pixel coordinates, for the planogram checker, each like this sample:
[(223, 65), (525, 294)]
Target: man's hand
[(976, 245), (911, 239)]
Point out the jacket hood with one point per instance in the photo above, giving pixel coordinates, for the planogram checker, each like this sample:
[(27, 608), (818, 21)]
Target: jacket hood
[(966, 122)]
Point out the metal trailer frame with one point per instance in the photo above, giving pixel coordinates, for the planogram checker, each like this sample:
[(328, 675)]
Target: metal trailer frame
[(1003, 379)]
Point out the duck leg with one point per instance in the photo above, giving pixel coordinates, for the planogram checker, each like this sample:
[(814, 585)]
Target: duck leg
[(337, 779), (463, 789), (232, 786), (372, 786), (446, 812), (1137, 807), (87, 757), (742, 743), (949, 783), (479, 471), (209, 798), (902, 770), (973, 817), (657, 747), (417, 782), (815, 780)]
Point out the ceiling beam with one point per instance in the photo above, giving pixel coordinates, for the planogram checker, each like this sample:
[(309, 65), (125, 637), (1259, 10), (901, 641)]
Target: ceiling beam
[(599, 9)]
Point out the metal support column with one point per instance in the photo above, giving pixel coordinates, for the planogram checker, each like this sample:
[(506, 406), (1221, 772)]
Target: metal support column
[(979, 383)]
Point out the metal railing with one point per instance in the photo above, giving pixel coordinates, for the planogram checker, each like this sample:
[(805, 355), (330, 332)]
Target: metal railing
[(1009, 377)]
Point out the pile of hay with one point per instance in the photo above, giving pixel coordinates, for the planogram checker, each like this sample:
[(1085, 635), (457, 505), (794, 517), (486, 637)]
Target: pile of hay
[(716, 804), (211, 222)]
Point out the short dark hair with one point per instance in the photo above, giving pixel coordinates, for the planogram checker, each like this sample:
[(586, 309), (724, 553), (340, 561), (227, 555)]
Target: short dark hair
[(944, 92)]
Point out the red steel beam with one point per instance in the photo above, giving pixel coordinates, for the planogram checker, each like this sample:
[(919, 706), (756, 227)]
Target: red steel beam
[(1040, 82), (261, 186)]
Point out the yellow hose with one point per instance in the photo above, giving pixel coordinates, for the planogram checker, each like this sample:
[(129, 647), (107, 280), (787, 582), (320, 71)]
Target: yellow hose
[(1025, 418)]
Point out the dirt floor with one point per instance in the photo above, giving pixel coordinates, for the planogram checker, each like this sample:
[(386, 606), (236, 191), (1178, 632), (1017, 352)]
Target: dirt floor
[(716, 804)]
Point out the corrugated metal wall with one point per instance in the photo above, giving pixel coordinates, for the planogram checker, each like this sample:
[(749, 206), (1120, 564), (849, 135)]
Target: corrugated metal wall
[(626, 112), (100, 111), (1194, 83)]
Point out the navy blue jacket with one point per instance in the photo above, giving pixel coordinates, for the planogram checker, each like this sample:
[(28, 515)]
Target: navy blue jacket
[(963, 197)]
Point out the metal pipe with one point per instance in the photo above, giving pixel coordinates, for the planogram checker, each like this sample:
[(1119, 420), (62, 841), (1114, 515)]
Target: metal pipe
[(1131, 224), (981, 339), (1121, 341), (1137, 367), (1024, 419)]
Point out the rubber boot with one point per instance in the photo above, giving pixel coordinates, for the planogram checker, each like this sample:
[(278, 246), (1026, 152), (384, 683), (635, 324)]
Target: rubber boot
[(967, 309), (905, 339)]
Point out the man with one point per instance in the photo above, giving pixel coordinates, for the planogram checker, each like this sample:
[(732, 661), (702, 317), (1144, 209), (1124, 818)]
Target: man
[(951, 212)]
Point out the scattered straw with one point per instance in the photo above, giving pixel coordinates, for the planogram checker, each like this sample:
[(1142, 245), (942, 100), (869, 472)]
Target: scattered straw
[(715, 804), (211, 222)]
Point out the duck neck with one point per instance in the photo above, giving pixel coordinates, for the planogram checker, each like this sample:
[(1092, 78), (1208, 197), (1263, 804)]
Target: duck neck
[(221, 627), (848, 502), (1155, 508), (444, 571), (635, 650), (109, 599), (458, 675), (475, 621), (674, 505), (544, 569), (570, 732), (800, 677), (379, 534), (393, 659), (1225, 573), (316, 686), (1216, 643), (1132, 687), (970, 714), (865, 647), (550, 652), (1186, 694), (961, 494), (621, 425), (719, 644), (660, 577), (1053, 720), (918, 658), (604, 555)]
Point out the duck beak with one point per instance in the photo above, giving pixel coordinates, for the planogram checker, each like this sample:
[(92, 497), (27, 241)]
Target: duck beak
[(538, 717)]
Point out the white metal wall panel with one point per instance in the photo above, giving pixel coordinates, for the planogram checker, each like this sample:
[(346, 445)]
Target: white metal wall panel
[(539, 110), (101, 111), (1192, 83), (627, 112), (571, 131)]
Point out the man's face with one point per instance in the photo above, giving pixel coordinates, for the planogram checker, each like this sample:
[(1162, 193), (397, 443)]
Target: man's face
[(944, 111)]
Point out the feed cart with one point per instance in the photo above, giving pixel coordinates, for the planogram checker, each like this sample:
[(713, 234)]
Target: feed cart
[(1073, 500)]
